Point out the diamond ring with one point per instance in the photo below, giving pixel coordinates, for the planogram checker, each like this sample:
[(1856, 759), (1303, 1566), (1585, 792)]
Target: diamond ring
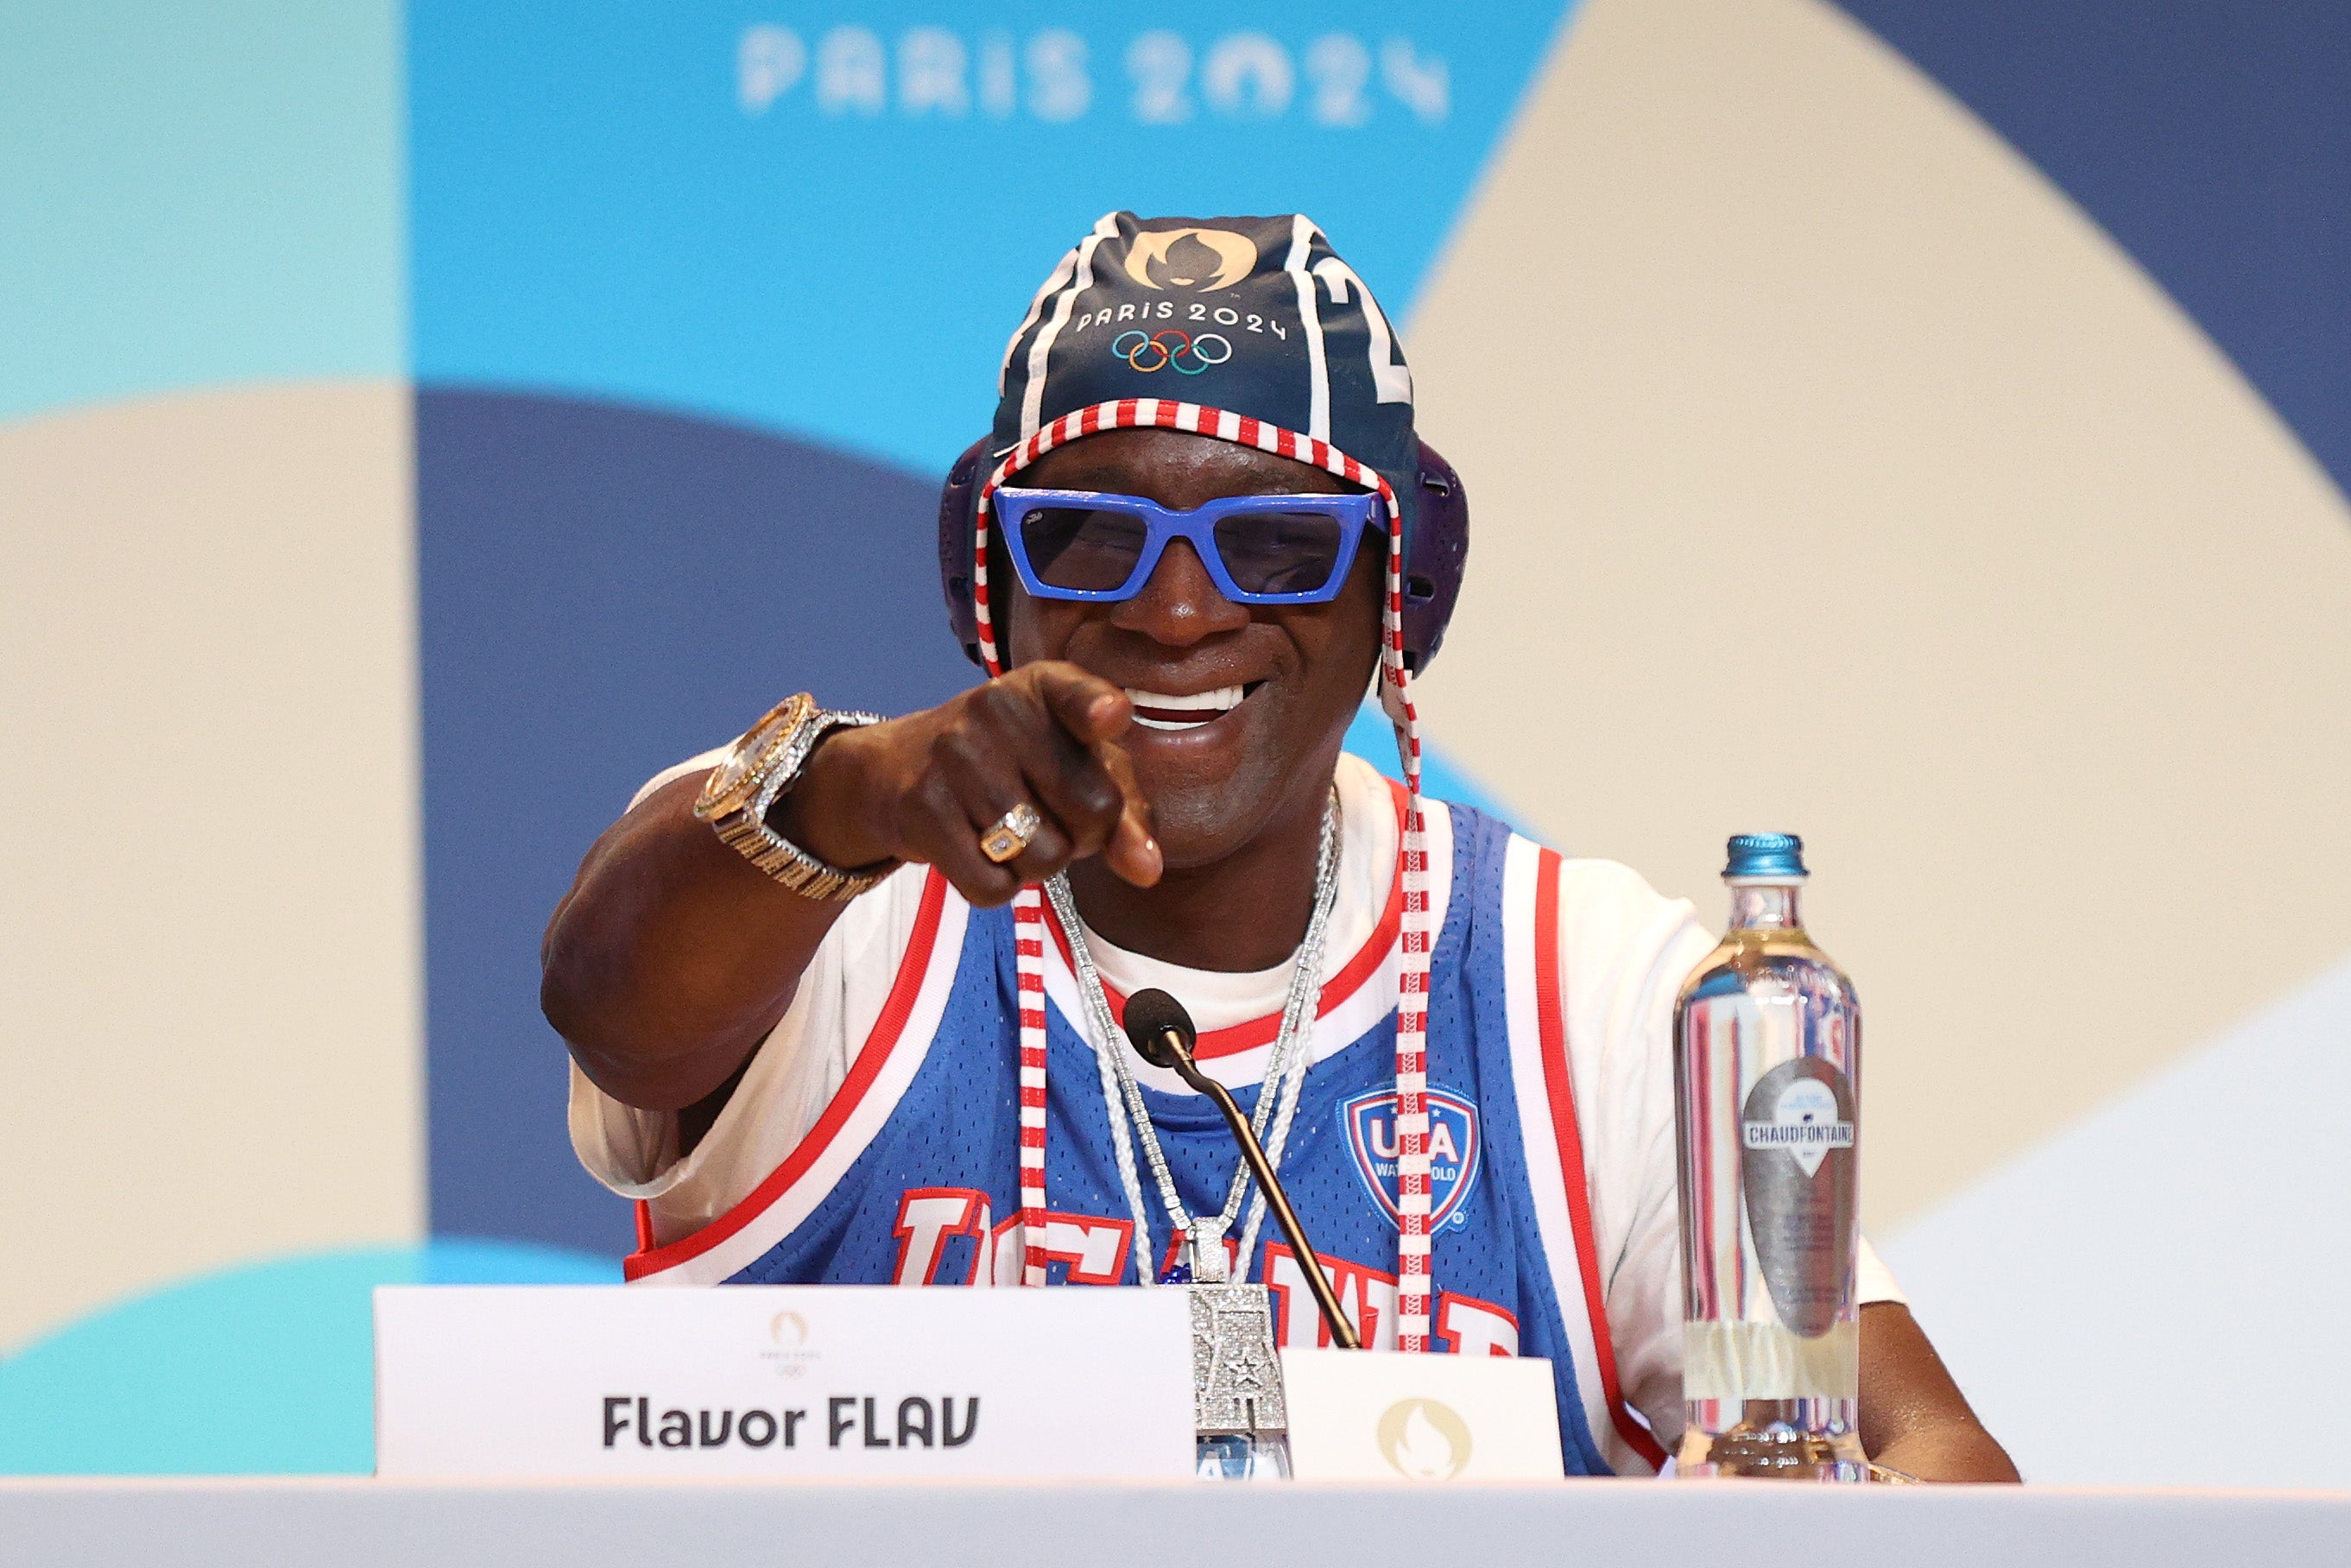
[(1011, 833)]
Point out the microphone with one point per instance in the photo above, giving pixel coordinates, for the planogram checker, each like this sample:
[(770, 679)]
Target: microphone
[(1162, 1034)]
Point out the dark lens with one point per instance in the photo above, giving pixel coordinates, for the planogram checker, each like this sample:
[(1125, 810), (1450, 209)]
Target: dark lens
[(1279, 552), (1082, 549)]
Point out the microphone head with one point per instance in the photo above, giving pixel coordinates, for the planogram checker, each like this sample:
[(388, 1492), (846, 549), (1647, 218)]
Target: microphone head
[(1152, 1017)]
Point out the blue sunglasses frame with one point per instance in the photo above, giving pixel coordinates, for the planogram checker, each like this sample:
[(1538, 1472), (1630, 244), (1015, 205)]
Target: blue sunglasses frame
[(1198, 527)]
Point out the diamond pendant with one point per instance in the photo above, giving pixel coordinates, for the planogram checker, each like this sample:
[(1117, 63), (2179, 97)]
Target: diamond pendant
[(1235, 1376)]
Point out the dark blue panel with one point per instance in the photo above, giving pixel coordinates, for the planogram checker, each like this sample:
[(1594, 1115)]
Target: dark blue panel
[(2212, 141), (604, 591)]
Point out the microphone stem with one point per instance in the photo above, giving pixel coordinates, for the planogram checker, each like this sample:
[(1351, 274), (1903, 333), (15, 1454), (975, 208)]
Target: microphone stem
[(1343, 1332)]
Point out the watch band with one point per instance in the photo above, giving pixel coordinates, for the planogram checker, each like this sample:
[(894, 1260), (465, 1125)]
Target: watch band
[(741, 791)]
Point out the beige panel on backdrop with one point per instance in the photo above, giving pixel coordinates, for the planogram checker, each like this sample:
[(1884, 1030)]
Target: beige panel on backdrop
[(210, 1009), (1833, 474)]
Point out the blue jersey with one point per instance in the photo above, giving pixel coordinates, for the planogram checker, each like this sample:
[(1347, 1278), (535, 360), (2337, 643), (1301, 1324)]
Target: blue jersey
[(911, 1174)]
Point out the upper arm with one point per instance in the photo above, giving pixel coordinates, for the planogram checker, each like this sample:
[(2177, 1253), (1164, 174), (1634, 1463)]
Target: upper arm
[(691, 1167), (672, 957)]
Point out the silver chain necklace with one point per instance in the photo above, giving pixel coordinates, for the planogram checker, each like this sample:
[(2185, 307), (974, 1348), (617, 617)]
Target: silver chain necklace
[(1278, 1096)]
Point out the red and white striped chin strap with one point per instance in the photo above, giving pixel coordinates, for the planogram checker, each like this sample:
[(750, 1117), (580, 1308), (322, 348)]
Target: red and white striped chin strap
[(1412, 1290)]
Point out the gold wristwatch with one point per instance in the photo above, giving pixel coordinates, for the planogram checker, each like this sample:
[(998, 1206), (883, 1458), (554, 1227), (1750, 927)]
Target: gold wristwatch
[(762, 766)]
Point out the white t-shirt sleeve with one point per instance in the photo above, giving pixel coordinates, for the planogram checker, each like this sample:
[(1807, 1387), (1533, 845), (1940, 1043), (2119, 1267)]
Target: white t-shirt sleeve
[(792, 1077), (1625, 952), (701, 764)]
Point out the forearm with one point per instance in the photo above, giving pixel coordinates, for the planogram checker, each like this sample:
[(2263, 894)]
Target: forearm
[(1913, 1416), (672, 957)]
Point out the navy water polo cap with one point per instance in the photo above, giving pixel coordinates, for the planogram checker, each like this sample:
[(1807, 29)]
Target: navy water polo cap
[(1254, 317), (1248, 330)]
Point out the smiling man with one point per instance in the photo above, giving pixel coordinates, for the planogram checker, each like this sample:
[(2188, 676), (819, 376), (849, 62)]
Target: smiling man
[(842, 997)]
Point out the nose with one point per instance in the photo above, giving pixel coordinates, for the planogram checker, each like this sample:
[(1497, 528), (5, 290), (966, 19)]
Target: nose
[(1180, 605)]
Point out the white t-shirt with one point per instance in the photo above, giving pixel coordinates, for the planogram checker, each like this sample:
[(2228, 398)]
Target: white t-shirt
[(1628, 948)]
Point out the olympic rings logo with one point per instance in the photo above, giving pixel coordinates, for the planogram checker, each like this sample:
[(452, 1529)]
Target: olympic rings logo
[(1171, 346)]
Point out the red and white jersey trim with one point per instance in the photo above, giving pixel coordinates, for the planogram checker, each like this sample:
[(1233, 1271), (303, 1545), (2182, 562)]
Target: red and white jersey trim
[(1556, 1171), (894, 1052), (1356, 995)]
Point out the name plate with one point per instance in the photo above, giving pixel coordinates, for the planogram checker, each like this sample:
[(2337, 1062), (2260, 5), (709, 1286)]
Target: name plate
[(1418, 1418), (819, 1382)]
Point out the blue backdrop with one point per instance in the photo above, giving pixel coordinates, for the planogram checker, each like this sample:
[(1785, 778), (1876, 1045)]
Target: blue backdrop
[(699, 300)]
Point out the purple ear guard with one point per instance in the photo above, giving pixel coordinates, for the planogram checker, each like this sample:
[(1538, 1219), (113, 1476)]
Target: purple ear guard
[(1437, 548)]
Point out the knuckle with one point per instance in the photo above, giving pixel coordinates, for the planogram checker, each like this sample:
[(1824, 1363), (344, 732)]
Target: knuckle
[(957, 753), (1007, 700), (1093, 793), (1087, 834), (934, 796), (1101, 800)]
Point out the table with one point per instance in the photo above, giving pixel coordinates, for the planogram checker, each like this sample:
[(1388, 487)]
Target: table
[(261, 1523)]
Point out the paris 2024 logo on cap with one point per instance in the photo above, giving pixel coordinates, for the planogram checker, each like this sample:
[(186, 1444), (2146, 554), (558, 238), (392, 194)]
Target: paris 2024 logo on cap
[(1454, 1149), (1193, 258)]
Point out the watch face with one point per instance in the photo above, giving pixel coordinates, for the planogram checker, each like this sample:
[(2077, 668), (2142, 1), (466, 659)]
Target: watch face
[(733, 779)]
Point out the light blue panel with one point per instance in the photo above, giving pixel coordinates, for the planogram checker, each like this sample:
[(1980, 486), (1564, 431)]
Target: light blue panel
[(831, 225), (263, 1370), (192, 194), (1373, 738), (2176, 1251)]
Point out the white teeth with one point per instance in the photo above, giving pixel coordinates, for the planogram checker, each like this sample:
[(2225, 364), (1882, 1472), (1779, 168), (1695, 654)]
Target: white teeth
[(1221, 698), (1210, 706)]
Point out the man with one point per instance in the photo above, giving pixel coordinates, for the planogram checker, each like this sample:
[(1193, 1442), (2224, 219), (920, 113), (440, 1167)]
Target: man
[(843, 998)]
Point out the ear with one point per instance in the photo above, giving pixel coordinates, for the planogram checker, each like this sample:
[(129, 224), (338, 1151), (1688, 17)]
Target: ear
[(1437, 553), (958, 522)]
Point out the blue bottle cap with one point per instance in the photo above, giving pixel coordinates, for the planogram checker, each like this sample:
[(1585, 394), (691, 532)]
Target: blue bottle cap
[(1765, 857)]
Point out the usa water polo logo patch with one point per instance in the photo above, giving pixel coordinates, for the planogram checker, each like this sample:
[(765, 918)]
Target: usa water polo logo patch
[(1454, 1146)]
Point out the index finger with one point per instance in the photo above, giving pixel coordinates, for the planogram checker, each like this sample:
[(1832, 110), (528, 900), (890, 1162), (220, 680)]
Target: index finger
[(1088, 707), (1133, 854)]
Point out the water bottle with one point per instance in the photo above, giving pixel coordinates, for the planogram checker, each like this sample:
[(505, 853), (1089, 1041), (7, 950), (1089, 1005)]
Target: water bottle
[(1767, 1064)]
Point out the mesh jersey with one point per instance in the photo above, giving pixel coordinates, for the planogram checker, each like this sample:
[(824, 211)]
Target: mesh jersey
[(1590, 959), (910, 1175)]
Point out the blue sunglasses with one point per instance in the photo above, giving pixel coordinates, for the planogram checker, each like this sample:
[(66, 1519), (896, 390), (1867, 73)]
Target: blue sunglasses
[(1259, 549)]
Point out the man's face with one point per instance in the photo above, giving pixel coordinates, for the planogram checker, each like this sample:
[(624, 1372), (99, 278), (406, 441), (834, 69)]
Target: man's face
[(1303, 667)]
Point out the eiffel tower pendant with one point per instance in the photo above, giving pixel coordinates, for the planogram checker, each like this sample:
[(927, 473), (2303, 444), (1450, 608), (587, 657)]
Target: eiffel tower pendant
[(1235, 1376)]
